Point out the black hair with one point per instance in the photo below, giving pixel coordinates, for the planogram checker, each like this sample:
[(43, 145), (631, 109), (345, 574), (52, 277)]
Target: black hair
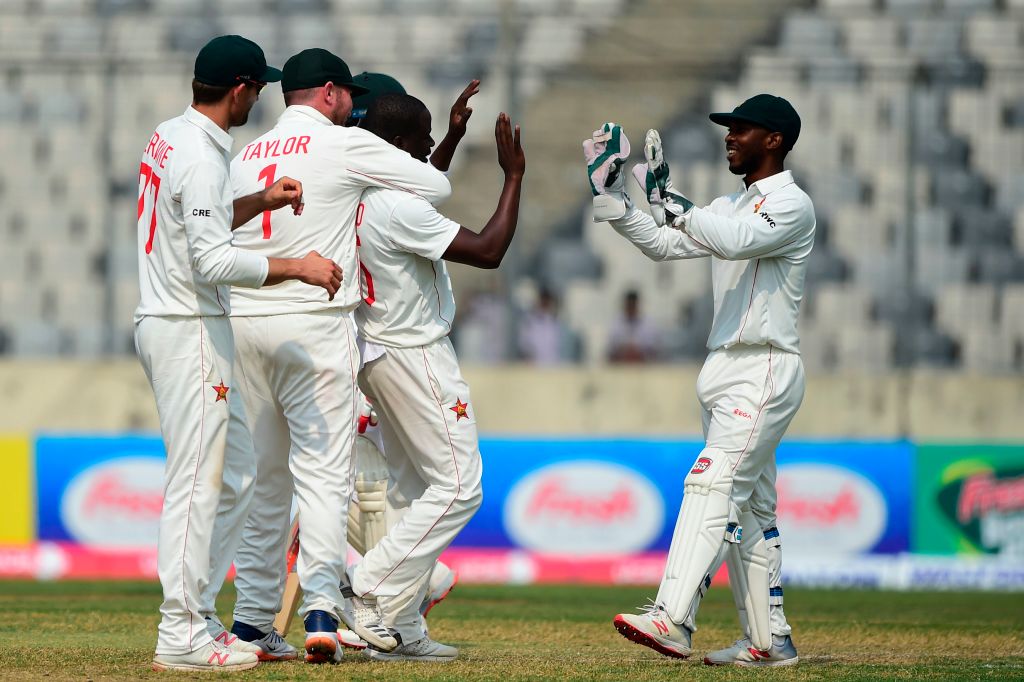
[(394, 115), (208, 94)]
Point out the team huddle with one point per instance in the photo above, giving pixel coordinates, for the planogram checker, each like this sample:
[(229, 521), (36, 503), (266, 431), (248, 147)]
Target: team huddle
[(293, 324)]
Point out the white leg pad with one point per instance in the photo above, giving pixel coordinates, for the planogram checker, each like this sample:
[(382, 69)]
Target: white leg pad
[(367, 520), (705, 517), (751, 579)]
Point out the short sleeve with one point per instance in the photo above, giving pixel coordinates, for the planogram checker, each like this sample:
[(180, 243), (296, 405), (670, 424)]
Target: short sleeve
[(417, 227)]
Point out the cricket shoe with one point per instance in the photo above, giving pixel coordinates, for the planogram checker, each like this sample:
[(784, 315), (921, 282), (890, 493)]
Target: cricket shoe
[(209, 657), (653, 628), (743, 653), (350, 640), (322, 644), (423, 649), (442, 580), (363, 618), (272, 645), (228, 640)]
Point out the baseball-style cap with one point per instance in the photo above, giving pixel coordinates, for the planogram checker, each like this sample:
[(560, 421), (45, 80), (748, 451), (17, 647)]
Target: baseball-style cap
[(376, 84), (316, 67), (768, 111), (227, 60)]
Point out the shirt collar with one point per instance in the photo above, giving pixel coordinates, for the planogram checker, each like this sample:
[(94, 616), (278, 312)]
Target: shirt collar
[(220, 136), (302, 111), (767, 185)]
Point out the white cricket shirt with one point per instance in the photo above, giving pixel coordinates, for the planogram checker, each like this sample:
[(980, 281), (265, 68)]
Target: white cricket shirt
[(334, 165), (759, 239), (186, 259), (408, 299)]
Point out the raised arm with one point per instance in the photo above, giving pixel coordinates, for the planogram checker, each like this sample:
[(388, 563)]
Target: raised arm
[(774, 230), (658, 243), (441, 159), (372, 162)]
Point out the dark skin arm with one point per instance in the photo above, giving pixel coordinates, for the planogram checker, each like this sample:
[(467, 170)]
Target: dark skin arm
[(441, 159), (284, 192), (486, 249)]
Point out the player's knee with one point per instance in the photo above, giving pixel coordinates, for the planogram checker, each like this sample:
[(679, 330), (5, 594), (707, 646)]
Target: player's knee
[(711, 472)]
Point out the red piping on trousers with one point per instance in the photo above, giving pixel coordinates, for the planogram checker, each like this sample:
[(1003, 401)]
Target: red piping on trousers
[(458, 481), (753, 428)]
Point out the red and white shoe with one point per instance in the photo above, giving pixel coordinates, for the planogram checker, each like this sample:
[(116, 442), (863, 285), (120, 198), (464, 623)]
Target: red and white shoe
[(212, 656), (350, 640), (442, 581), (653, 628), (743, 654)]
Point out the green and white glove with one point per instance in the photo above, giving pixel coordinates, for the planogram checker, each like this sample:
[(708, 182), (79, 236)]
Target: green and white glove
[(667, 204), (606, 153)]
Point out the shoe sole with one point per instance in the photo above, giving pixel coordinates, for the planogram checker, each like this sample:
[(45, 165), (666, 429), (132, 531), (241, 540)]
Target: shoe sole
[(768, 664), (321, 647), (640, 637), (164, 667), (352, 641), (270, 658), (392, 658), (440, 599)]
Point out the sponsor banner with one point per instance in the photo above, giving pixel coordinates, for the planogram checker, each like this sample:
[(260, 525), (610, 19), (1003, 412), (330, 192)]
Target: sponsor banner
[(57, 560), (100, 492), (970, 500), (613, 497), (17, 492)]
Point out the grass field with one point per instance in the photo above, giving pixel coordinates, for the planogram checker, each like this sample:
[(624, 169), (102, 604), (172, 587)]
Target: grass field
[(106, 631)]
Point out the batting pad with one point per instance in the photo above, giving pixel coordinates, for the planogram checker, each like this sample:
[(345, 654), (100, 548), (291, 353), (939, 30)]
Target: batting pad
[(367, 522), (749, 577), (699, 537)]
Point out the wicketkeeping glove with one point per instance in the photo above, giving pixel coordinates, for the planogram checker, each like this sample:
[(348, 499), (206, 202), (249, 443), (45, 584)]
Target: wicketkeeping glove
[(667, 204), (606, 153)]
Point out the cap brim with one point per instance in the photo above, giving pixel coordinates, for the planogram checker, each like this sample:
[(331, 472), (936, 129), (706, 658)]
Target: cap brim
[(271, 75), (353, 89), (724, 119)]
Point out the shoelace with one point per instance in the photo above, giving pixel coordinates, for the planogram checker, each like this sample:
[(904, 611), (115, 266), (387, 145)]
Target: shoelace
[(274, 640), (650, 609)]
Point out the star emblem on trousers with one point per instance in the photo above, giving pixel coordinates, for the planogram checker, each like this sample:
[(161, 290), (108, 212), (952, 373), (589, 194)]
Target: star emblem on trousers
[(222, 392), (459, 408)]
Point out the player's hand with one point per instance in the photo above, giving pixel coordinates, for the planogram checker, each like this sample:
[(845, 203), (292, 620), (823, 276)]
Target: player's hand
[(285, 192), (606, 153), (667, 204), (321, 272), (461, 111), (510, 151)]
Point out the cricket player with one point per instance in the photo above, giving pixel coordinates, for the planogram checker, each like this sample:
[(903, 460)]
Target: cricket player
[(369, 515), (184, 340), (297, 358), (427, 418), (752, 383)]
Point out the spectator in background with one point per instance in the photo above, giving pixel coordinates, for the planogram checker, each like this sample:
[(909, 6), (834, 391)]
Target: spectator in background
[(633, 338), (482, 331), (543, 338)]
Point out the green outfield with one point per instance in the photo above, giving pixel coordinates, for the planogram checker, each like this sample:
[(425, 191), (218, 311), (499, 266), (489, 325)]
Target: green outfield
[(106, 630)]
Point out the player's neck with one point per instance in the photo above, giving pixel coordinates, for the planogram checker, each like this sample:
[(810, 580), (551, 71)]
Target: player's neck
[(218, 113), (769, 168)]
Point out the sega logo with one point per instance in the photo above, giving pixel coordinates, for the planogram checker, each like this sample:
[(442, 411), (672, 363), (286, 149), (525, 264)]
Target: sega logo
[(116, 503), (701, 465), (824, 508), (584, 507)]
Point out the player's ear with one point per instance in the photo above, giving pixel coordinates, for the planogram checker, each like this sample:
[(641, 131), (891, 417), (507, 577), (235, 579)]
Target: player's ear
[(773, 141)]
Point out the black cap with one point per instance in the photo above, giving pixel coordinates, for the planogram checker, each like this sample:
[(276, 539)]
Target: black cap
[(768, 111), (228, 60), (316, 67), (376, 84)]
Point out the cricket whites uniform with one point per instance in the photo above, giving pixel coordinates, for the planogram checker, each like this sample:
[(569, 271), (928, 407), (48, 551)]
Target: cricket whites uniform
[(750, 388), (184, 341), (427, 419), (297, 359)]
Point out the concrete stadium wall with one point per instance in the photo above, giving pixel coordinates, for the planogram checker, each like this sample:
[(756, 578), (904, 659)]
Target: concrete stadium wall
[(114, 396)]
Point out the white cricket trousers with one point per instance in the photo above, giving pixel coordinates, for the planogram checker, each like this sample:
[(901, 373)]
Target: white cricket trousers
[(748, 395), (208, 479), (429, 427), (297, 374)]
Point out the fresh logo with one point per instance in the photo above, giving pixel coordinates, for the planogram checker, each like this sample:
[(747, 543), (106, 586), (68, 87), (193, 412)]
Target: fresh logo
[(988, 507)]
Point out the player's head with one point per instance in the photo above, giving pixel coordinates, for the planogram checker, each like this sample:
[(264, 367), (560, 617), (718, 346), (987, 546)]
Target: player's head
[(376, 84), (762, 130), (402, 120), (322, 80), (230, 71)]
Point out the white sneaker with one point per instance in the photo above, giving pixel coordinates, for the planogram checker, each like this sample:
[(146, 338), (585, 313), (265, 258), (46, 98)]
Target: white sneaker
[(743, 653), (653, 628), (229, 640), (362, 617), (350, 640), (423, 649), (442, 580), (210, 656)]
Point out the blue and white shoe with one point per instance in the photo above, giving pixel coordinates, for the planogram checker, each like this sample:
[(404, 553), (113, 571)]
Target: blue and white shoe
[(321, 638), (272, 645)]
